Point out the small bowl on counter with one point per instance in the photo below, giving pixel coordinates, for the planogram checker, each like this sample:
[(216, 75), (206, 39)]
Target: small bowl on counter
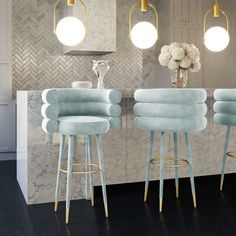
[(82, 84)]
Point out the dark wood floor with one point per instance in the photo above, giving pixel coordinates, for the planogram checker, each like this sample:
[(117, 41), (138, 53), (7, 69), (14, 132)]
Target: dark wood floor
[(215, 215)]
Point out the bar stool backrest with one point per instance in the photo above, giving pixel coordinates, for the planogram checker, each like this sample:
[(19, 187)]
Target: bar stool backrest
[(225, 107), (176, 110), (79, 102)]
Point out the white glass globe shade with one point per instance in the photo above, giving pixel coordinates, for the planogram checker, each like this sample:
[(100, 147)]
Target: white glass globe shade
[(70, 31), (144, 35), (216, 39)]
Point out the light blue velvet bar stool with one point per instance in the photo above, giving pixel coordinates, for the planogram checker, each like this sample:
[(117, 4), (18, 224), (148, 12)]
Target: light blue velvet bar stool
[(170, 111), (225, 108), (88, 112)]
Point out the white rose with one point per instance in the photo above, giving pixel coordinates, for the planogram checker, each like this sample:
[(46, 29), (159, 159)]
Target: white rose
[(165, 49), (178, 53), (193, 53), (164, 58), (186, 62), (185, 46), (195, 67), (173, 46), (173, 65)]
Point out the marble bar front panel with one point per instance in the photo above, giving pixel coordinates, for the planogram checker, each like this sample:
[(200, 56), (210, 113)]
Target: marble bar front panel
[(125, 151)]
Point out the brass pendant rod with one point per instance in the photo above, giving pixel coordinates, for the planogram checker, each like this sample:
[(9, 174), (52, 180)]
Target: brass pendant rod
[(70, 2), (144, 5)]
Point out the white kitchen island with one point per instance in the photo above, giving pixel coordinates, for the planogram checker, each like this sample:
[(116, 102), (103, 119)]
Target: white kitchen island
[(125, 151)]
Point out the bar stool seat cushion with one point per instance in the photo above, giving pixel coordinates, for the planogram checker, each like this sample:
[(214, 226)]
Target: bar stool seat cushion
[(165, 124), (87, 125)]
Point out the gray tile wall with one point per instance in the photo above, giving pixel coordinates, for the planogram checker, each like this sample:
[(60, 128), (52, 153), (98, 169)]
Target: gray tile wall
[(38, 62)]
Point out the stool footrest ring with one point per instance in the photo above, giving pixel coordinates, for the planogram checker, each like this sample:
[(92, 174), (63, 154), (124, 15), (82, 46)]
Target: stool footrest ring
[(231, 154), (96, 169), (181, 162)]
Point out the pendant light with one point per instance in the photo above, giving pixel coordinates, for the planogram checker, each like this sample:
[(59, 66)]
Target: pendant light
[(70, 30), (216, 38), (143, 34)]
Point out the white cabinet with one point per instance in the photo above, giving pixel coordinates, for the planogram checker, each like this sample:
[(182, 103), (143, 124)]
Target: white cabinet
[(101, 27), (186, 26), (7, 107)]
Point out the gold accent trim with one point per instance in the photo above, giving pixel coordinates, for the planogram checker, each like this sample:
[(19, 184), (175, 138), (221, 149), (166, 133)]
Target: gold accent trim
[(145, 194), (231, 154), (216, 10), (69, 3), (216, 13), (156, 161), (221, 184), (144, 5), (106, 209), (67, 215), (55, 205), (160, 205), (54, 15), (177, 192), (194, 201), (97, 169), (131, 14), (92, 199)]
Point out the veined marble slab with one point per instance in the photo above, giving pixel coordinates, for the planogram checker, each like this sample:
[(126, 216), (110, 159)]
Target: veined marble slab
[(125, 151)]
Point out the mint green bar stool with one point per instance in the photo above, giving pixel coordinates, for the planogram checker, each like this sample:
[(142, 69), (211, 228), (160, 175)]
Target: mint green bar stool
[(170, 111), (225, 108), (73, 112)]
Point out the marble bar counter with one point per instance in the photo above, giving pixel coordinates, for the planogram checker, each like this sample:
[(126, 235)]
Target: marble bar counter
[(125, 151)]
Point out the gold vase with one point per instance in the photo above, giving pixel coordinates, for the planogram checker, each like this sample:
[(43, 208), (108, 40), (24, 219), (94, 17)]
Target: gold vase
[(179, 78)]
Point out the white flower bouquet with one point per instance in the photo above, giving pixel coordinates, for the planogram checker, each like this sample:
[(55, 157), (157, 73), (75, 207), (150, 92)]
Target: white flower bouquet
[(180, 56)]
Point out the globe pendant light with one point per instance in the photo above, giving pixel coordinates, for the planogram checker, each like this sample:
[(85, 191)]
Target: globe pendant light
[(143, 34), (216, 38), (70, 30)]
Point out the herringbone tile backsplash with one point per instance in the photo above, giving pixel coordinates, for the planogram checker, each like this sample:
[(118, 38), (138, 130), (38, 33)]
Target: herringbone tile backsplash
[(38, 61)]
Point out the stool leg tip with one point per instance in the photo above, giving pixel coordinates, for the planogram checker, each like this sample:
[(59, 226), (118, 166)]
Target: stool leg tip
[(67, 215), (92, 200), (194, 201), (160, 205), (56, 205), (177, 192), (221, 184), (106, 209), (145, 194)]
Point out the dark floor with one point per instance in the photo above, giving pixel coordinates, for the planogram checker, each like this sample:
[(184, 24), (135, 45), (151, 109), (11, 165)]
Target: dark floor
[(215, 215)]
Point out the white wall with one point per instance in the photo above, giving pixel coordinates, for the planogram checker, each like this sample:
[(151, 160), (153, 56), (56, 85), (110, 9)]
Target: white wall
[(7, 107)]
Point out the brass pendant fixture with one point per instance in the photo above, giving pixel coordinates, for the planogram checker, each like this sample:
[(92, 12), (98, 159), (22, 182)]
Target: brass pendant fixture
[(143, 34), (70, 30), (216, 38)]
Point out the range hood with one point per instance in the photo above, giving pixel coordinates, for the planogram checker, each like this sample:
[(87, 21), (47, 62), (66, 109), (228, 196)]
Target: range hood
[(101, 27)]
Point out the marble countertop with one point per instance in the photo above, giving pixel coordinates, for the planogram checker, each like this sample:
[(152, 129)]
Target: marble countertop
[(126, 93)]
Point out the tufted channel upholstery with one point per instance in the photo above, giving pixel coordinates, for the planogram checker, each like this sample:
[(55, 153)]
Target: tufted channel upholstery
[(225, 107), (88, 112), (170, 110), (69, 109), (176, 110)]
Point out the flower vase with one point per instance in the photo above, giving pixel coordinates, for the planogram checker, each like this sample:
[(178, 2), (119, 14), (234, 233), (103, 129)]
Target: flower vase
[(179, 78), (100, 68)]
